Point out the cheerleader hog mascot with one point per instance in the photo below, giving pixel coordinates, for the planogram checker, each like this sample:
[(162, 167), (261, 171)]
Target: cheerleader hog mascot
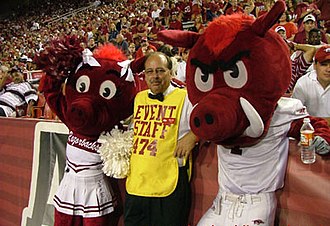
[(237, 73), (90, 94)]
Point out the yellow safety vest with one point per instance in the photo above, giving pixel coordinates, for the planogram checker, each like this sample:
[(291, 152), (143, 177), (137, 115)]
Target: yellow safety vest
[(154, 169)]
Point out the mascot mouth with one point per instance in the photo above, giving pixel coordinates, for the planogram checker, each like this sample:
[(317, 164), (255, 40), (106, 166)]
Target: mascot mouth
[(240, 120)]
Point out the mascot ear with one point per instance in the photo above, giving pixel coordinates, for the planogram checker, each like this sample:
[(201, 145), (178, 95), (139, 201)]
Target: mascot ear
[(137, 65), (186, 39), (262, 24)]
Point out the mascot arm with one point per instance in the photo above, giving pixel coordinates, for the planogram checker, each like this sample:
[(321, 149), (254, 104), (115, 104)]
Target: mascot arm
[(322, 133), (59, 58), (51, 87)]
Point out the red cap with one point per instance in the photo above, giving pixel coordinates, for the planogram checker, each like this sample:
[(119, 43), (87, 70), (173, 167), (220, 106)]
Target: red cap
[(323, 54)]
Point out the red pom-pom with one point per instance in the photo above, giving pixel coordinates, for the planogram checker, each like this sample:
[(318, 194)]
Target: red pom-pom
[(60, 58)]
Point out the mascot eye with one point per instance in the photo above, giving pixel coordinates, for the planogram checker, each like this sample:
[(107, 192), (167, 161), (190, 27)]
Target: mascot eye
[(203, 82), (108, 89), (82, 84), (236, 76)]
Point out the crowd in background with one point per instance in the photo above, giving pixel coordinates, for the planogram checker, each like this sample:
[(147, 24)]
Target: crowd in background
[(30, 29), (132, 25)]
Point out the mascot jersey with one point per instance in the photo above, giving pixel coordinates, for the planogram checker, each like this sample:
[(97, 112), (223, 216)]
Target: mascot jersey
[(154, 170), (261, 168), (84, 190)]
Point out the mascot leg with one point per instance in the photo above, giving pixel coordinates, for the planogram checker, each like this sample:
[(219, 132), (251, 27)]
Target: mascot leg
[(230, 210), (62, 219)]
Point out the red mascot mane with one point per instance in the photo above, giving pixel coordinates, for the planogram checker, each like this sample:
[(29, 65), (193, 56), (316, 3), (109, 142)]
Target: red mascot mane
[(229, 26), (109, 51)]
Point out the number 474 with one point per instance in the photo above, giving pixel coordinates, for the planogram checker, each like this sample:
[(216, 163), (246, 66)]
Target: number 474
[(145, 144)]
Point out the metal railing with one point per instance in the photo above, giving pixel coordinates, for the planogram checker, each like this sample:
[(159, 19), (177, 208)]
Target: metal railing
[(69, 14)]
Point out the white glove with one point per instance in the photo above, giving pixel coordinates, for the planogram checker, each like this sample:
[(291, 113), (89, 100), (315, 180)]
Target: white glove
[(321, 145)]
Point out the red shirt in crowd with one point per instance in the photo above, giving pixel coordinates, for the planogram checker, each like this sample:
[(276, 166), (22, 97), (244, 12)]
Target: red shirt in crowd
[(231, 10), (302, 38), (290, 28), (175, 25), (127, 35)]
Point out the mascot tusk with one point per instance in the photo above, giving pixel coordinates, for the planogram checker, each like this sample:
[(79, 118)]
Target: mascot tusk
[(256, 127)]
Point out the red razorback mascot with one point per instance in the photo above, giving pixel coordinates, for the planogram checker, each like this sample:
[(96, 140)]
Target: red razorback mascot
[(237, 72), (90, 93)]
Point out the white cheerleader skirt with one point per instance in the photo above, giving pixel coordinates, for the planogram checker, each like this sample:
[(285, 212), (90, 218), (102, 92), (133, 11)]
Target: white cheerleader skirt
[(87, 194)]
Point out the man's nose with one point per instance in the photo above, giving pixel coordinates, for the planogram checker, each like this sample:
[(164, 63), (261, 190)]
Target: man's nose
[(155, 74)]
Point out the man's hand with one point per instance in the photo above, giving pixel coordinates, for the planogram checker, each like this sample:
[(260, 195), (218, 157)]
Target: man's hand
[(321, 146), (185, 145)]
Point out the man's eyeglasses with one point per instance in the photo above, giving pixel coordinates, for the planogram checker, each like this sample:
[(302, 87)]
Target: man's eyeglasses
[(159, 71)]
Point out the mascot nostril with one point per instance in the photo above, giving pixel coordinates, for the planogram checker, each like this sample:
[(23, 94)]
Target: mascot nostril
[(77, 112), (197, 122), (209, 119)]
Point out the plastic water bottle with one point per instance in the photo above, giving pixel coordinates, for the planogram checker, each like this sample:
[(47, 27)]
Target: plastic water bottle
[(306, 139)]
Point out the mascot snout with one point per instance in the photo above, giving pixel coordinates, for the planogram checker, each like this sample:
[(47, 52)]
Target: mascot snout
[(82, 113), (207, 116)]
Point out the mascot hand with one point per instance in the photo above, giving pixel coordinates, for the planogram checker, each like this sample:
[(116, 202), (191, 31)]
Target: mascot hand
[(321, 146)]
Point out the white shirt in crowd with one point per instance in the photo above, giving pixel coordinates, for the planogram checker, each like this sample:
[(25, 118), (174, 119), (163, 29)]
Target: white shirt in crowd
[(313, 95), (155, 14)]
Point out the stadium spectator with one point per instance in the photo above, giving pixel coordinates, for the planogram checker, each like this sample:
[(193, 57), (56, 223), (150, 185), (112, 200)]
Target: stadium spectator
[(146, 20), (131, 51), (181, 71), (15, 93), (301, 61), (315, 37), (289, 26), (175, 23), (185, 7), (140, 31), (303, 9), (155, 11), (197, 8), (145, 48), (235, 8), (313, 89), (165, 14), (309, 22), (113, 32), (122, 44), (198, 24), (281, 31), (324, 7), (152, 35), (210, 9), (126, 33)]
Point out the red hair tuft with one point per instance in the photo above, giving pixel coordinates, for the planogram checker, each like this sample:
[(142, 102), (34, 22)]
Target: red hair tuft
[(110, 52), (222, 31)]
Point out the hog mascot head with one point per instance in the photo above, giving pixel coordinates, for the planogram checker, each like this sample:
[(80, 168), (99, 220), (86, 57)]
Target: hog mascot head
[(99, 87), (236, 72)]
